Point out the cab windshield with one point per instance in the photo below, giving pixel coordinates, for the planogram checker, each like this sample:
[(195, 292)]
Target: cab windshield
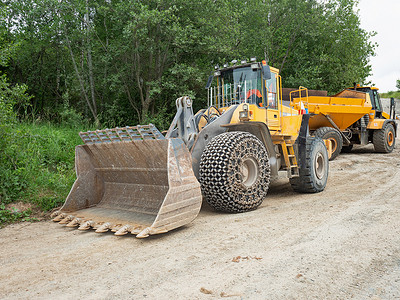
[(374, 96), (242, 85)]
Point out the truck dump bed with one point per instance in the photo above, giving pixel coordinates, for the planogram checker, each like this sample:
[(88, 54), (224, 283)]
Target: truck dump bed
[(344, 108)]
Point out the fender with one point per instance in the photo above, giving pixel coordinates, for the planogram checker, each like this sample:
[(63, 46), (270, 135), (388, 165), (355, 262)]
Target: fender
[(393, 122), (380, 123), (304, 132)]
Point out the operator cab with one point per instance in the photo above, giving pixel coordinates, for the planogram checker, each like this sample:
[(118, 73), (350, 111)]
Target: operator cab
[(375, 99), (253, 83)]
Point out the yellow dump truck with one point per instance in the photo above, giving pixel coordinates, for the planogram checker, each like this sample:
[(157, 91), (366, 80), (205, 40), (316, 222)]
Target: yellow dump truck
[(137, 180), (353, 116)]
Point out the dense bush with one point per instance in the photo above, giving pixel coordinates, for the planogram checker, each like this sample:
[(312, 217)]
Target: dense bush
[(37, 160)]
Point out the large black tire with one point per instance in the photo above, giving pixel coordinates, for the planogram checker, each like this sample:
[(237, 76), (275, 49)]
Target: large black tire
[(313, 169), (384, 139), (234, 172), (332, 134), (347, 148)]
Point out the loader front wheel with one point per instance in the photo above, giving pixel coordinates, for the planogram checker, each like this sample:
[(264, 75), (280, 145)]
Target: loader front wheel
[(384, 139), (332, 134), (234, 172), (314, 167)]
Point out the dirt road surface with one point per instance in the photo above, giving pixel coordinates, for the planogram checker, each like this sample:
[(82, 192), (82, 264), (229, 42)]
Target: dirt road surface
[(339, 244)]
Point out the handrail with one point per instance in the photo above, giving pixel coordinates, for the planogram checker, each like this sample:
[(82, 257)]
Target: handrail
[(223, 95), (301, 88), (280, 95)]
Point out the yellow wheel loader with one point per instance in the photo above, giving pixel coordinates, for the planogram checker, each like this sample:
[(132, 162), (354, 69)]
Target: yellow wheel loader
[(136, 180), (353, 116)]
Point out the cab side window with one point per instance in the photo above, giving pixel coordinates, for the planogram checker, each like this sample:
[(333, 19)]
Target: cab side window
[(377, 101), (271, 92)]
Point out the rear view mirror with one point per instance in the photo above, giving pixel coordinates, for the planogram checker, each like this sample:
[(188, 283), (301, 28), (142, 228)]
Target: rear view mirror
[(266, 72), (392, 109), (210, 79)]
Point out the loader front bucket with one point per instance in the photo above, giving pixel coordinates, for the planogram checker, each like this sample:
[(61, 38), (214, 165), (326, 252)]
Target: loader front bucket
[(131, 183)]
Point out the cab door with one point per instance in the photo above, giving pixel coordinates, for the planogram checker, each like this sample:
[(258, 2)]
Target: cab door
[(271, 102)]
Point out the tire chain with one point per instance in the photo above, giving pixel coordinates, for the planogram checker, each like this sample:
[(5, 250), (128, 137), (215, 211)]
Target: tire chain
[(220, 175)]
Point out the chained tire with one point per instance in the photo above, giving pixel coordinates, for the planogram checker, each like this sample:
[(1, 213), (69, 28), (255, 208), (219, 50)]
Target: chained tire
[(234, 172), (332, 134), (313, 172), (384, 139)]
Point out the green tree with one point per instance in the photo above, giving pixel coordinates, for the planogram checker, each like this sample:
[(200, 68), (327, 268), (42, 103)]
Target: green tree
[(120, 62)]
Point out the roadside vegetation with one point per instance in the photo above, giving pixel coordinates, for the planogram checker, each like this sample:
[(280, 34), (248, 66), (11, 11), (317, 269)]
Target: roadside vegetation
[(36, 162), (73, 65), (393, 94)]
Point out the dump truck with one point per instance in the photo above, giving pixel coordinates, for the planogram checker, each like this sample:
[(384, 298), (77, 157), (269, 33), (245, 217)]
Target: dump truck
[(352, 116), (137, 180)]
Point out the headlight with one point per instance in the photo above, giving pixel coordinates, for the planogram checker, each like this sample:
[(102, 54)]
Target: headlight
[(243, 115), (245, 107)]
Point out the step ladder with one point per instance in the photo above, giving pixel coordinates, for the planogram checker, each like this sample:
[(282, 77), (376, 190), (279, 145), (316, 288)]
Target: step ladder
[(290, 159)]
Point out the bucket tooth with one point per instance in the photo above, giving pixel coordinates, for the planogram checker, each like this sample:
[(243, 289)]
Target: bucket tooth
[(59, 217), (55, 214), (104, 227), (86, 225), (124, 230), (144, 233), (67, 219), (75, 222), (136, 230), (116, 227)]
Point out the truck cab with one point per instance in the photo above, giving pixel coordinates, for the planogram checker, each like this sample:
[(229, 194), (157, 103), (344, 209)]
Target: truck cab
[(375, 99)]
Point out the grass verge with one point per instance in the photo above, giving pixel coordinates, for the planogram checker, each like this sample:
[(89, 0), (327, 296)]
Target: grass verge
[(36, 169)]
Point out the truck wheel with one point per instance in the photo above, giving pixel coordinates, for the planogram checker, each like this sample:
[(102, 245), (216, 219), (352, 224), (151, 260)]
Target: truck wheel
[(234, 172), (332, 134), (313, 173), (347, 148), (384, 139)]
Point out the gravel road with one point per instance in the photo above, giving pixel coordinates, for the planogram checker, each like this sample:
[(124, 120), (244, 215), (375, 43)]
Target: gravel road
[(339, 244)]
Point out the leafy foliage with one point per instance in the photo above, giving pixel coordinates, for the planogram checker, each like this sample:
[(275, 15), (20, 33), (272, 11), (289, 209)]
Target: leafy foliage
[(120, 62), (37, 164), (9, 216), (391, 94)]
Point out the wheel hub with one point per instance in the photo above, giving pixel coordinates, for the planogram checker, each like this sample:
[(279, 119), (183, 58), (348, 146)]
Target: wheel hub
[(334, 144), (249, 171), (390, 138), (319, 165)]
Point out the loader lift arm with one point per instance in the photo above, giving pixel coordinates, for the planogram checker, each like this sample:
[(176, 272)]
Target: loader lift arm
[(183, 124)]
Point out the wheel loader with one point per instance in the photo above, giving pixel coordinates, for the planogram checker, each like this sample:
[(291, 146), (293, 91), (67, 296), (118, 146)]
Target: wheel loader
[(137, 180), (353, 116)]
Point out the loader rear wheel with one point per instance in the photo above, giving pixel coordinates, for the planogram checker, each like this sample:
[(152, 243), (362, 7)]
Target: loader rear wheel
[(313, 173), (384, 139), (332, 134), (234, 172)]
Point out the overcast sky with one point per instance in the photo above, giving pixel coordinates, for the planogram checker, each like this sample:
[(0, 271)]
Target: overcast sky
[(382, 16)]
